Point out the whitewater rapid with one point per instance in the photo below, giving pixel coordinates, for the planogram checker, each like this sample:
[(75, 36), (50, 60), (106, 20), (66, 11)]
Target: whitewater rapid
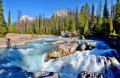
[(31, 58)]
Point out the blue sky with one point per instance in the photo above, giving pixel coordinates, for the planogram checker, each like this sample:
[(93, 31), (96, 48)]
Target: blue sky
[(47, 7)]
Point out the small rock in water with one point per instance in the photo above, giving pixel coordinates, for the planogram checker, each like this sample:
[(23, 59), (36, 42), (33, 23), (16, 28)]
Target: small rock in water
[(45, 75), (86, 74)]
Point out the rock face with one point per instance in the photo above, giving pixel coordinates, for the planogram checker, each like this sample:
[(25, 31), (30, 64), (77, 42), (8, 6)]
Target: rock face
[(62, 13), (64, 48), (26, 18)]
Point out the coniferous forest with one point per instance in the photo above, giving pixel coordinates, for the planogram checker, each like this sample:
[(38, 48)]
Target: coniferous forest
[(86, 22)]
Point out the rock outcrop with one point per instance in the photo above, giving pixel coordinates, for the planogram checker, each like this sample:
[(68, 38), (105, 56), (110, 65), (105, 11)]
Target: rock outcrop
[(26, 18), (12, 40), (64, 48)]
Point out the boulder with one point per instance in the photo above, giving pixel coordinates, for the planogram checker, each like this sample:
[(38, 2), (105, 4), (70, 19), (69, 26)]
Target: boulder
[(83, 47), (53, 54), (82, 37), (85, 74), (92, 44), (74, 33), (69, 34), (45, 75), (87, 43), (87, 46), (63, 33), (64, 48)]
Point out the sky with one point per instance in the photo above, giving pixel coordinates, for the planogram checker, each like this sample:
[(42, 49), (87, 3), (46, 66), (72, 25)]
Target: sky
[(47, 7)]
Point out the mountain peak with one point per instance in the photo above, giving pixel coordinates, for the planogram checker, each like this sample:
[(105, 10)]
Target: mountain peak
[(26, 18), (61, 13)]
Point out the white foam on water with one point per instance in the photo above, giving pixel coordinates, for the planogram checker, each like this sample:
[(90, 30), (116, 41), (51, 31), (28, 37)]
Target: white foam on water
[(25, 51), (92, 61), (45, 43)]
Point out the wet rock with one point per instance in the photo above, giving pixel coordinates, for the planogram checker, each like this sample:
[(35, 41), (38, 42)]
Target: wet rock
[(45, 75), (92, 44), (57, 42), (99, 76), (64, 48), (82, 48), (86, 74), (87, 46)]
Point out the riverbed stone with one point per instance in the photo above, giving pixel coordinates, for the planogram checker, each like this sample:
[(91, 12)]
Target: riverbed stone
[(82, 48), (64, 48), (45, 75)]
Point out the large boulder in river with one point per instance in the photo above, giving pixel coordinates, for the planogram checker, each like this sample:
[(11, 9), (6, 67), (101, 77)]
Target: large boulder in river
[(63, 48), (53, 54)]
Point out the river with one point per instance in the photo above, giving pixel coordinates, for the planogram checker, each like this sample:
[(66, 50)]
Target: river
[(31, 58)]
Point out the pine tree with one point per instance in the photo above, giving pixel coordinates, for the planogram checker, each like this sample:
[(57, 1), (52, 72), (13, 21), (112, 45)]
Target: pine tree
[(105, 24), (72, 27), (82, 20), (106, 12), (67, 24), (2, 21), (40, 24), (92, 18), (9, 23), (76, 18), (87, 19), (117, 16), (111, 25), (36, 26)]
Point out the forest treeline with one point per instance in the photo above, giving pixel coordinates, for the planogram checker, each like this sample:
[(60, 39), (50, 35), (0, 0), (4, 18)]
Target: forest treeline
[(86, 22)]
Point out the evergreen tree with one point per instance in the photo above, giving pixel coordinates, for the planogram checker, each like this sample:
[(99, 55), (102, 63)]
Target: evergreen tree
[(2, 21), (105, 24), (111, 25), (92, 18), (68, 24), (36, 26), (117, 16), (9, 23), (87, 19), (76, 18), (72, 27), (106, 12), (40, 24), (98, 19)]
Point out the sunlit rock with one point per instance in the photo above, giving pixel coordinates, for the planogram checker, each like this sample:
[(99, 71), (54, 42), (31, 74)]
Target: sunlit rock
[(64, 48), (45, 75)]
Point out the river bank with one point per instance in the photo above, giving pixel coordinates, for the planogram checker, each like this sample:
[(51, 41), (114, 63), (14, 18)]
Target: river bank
[(12, 39)]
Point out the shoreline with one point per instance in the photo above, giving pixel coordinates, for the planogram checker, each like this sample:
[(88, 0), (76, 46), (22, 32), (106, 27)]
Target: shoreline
[(13, 39)]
